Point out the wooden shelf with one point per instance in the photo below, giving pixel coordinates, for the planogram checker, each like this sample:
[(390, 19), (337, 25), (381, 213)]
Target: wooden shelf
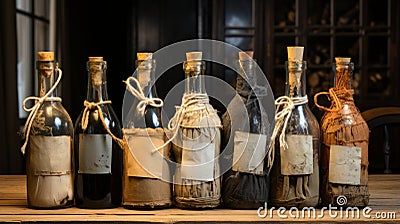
[(384, 190)]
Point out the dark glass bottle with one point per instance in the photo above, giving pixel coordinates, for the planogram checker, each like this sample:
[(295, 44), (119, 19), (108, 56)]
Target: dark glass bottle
[(295, 173), (98, 157), (243, 187), (49, 166), (142, 189), (344, 151)]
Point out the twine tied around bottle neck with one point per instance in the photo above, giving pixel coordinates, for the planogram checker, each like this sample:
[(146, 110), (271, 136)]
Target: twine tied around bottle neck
[(190, 102), (35, 108), (334, 95), (85, 118), (143, 100), (284, 107)]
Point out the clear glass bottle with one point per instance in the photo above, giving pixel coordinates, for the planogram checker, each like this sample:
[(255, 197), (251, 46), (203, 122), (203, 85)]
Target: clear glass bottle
[(98, 158), (197, 182), (344, 151), (295, 173), (243, 188), (145, 191), (49, 166)]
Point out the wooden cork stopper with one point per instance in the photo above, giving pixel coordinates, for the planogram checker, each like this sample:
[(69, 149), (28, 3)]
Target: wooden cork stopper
[(295, 53), (194, 56), (95, 59), (46, 56), (342, 60), (247, 55), (144, 56)]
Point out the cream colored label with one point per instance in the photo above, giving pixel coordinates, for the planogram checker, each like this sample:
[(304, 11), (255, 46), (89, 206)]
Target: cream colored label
[(95, 153), (345, 165), (142, 161), (198, 159), (297, 159), (249, 152), (50, 155)]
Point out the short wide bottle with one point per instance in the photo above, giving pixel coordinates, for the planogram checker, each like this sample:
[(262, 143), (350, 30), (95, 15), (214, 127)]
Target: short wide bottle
[(98, 157)]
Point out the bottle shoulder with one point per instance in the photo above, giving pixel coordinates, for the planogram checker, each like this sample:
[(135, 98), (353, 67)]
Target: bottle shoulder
[(53, 120)]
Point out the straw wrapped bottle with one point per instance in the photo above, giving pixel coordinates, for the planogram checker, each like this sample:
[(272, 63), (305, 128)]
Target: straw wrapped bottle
[(295, 172), (345, 134)]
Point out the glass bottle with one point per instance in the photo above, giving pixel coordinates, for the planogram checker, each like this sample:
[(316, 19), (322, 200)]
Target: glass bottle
[(344, 152), (244, 187), (49, 166), (142, 189), (98, 158), (295, 174), (197, 182)]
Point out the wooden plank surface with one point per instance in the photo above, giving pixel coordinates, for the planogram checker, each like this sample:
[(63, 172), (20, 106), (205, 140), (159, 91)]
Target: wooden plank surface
[(384, 200)]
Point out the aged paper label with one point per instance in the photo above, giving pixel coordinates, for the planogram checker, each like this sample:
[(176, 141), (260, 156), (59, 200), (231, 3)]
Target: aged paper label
[(297, 159), (345, 165), (248, 152), (95, 153), (141, 160), (50, 155)]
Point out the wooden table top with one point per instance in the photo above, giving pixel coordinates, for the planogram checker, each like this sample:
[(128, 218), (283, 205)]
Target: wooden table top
[(384, 202)]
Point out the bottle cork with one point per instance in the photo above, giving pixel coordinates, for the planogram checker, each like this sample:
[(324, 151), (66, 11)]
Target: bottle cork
[(144, 56), (94, 59), (247, 55), (295, 53), (342, 60), (194, 56), (46, 56)]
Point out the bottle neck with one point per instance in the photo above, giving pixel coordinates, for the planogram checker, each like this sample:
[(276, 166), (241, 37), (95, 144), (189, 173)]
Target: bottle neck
[(46, 77), (295, 79), (194, 82), (145, 76), (97, 81), (343, 75), (246, 78)]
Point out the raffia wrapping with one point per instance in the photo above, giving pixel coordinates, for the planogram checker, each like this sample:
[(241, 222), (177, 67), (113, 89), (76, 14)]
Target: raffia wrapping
[(334, 132), (143, 192), (240, 189), (194, 193)]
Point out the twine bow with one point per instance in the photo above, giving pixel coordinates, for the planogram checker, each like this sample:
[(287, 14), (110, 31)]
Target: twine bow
[(85, 118), (190, 102), (332, 95), (143, 100), (35, 108), (282, 117)]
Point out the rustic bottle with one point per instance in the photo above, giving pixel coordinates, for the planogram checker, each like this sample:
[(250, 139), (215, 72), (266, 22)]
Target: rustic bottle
[(196, 142), (344, 152), (48, 140), (146, 174), (246, 184), (98, 157), (295, 173)]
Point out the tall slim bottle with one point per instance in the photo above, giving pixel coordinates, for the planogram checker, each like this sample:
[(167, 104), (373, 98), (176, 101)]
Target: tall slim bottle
[(344, 152), (146, 173), (246, 185), (197, 182), (295, 173), (98, 157), (49, 133)]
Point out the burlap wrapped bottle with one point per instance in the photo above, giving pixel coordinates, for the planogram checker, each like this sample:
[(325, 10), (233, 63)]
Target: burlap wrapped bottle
[(195, 129), (295, 172), (246, 184), (344, 153)]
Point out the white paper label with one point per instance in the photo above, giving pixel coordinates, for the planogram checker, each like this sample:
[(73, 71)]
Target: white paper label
[(198, 159), (249, 152), (345, 164), (50, 155), (95, 153), (297, 159), (142, 161)]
